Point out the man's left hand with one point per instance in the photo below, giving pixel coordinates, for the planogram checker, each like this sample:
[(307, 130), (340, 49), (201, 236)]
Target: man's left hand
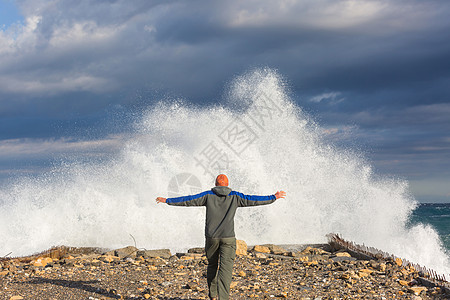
[(280, 194)]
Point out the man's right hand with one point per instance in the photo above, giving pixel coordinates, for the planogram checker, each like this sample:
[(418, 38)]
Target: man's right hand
[(280, 194), (160, 200)]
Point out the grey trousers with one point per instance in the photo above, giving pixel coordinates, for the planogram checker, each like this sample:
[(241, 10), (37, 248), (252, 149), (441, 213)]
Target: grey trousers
[(221, 253)]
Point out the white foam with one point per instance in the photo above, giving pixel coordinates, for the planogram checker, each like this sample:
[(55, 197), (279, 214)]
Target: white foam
[(329, 189)]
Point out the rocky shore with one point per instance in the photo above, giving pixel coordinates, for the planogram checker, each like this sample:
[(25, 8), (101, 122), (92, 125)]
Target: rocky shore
[(261, 272)]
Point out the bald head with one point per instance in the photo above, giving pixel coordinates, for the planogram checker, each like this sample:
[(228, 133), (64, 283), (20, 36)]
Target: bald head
[(222, 180)]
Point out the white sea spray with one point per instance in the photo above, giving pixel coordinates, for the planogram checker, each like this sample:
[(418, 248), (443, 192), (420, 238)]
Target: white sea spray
[(262, 141)]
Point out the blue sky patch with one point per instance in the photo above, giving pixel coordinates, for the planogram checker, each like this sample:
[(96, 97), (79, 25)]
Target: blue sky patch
[(9, 14)]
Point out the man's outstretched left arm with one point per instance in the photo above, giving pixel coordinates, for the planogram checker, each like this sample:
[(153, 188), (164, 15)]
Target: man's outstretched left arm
[(253, 200)]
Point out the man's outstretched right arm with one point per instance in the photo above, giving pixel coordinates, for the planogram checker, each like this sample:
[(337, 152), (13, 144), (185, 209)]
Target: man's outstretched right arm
[(191, 200)]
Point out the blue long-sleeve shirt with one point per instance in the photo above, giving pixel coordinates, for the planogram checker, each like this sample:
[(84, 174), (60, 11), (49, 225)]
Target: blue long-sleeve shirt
[(221, 204)]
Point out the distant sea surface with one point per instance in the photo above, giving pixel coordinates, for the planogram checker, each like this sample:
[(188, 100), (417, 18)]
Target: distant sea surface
[(438, 216)]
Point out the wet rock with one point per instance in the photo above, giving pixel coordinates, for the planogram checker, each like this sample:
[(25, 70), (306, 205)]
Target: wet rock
[(241, 247), (274, 249), (187, 257), (307, 250), (157, 261), (260, 255), (108, 253), (303, 258), (343, 254), (192, 285), (314, 251), (13, 268), (108, 258), (343, 259), (198, 250), (129, 251), (403, 282), (42, 261), (417, 290), (364, 272), (263, 249), (166, 283), (381, 267), (345, 276), (163, 253), (282, 295)]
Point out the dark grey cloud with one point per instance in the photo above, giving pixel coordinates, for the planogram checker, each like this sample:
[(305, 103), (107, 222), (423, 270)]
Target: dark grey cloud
[(101, 46)]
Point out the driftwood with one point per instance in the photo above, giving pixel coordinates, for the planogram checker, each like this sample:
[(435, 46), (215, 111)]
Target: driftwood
[(429, 276), (56, 252)]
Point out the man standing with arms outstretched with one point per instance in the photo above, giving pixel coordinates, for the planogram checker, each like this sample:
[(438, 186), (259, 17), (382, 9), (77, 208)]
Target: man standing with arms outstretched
[(221, 204)]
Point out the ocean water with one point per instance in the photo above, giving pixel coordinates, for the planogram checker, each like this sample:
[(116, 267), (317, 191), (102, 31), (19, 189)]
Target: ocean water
[(263, 141), (438, 216)]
